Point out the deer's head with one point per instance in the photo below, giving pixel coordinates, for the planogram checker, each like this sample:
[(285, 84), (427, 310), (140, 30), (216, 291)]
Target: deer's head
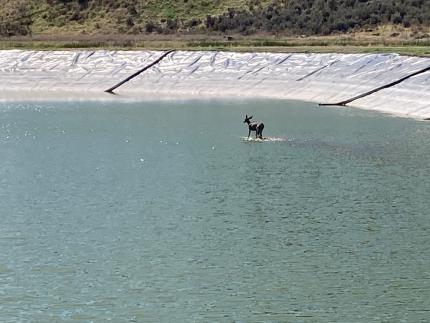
[(247, 119)]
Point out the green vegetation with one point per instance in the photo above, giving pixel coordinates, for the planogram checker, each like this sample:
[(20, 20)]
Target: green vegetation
[(278, 25), (110, 16), (307, 17), (318, 44), (322, 17)]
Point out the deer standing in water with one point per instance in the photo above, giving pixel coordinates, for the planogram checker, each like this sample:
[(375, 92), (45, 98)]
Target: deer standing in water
[(254, 126)]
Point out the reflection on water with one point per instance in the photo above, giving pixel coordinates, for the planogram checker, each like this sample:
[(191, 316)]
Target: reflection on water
[(164, 212)]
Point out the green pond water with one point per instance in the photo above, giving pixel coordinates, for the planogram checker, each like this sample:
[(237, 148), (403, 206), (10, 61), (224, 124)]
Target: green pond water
[(164, 212)]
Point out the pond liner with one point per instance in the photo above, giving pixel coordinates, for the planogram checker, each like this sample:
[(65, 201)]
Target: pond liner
[(317, 70), (113, 88), (345, 102)]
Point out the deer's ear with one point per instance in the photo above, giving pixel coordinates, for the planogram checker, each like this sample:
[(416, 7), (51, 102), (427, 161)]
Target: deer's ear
[(250, 117), (246, 116)]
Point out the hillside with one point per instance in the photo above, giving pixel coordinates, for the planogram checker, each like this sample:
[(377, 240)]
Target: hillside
[(246, 17)]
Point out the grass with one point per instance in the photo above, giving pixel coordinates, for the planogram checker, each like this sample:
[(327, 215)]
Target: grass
[(98, 28), (110, 15), (328, 44)]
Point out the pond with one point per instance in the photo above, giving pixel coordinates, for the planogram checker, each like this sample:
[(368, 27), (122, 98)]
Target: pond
[(164, 211)]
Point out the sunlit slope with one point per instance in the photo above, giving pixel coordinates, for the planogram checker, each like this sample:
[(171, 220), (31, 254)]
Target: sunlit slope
[(128, 16), (246, 17)]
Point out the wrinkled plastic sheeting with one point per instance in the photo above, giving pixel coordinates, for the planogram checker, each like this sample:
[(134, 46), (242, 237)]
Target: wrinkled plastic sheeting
[(182, 74)]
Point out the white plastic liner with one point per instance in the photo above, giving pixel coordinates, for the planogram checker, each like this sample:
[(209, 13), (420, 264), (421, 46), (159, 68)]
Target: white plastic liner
[(34, 75)]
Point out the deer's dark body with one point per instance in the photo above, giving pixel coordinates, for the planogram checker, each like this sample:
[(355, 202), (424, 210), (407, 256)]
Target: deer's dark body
[(254, 126)]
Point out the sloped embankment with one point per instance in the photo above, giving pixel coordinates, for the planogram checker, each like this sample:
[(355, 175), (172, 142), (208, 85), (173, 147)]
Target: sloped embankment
[(322, 78)]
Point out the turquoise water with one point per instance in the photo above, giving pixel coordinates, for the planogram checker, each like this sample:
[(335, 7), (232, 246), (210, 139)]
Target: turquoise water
[(158, 212)]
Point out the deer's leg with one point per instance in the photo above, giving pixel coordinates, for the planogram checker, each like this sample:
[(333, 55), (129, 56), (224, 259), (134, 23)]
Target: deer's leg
[(249, 132)]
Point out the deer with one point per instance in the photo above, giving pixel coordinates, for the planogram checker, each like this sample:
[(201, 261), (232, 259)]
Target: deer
[(254, 126)]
